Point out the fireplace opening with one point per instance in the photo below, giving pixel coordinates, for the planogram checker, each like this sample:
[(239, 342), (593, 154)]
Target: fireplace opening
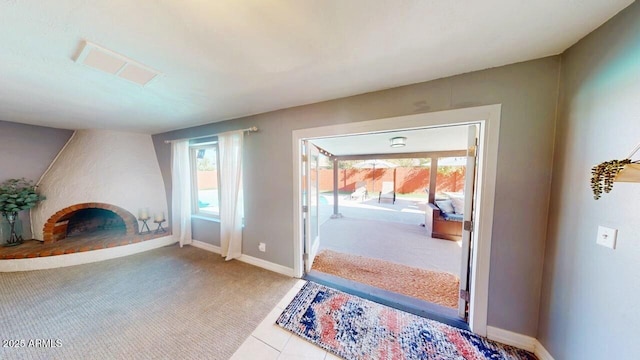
[(89, 221)]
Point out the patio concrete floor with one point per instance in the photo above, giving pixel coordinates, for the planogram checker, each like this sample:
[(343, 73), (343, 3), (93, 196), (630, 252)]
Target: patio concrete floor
[(387, 231)]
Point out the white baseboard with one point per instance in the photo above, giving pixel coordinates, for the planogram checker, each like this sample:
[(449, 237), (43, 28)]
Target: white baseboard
[(511, 338), (541, 352), (52, 262), (267, 265), (206, 246), (518, 340)]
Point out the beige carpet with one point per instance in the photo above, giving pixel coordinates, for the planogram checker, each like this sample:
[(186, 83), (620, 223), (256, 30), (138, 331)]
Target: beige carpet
[(432, 286), (169, 303)]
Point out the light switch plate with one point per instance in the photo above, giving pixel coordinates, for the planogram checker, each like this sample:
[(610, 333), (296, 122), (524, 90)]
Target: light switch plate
[(607, 237)]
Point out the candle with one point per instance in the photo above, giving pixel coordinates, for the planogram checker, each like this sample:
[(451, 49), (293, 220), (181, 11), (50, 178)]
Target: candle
[(143, 214), (159, 216)]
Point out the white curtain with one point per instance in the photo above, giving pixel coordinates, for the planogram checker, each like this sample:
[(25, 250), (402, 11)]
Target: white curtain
[(181, 191), (231, 202)]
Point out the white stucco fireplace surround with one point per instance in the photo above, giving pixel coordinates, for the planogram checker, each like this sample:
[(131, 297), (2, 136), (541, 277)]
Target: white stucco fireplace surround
[(115, 170)]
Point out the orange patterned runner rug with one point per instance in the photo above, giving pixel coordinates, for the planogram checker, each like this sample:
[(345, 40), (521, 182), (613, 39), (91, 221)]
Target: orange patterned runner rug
[(433, 286)]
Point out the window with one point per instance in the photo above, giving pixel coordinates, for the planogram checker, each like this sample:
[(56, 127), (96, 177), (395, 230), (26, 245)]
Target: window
[(205, 191)]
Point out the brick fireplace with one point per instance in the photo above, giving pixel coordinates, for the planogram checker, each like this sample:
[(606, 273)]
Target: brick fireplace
[(87, 218), (108, 170)]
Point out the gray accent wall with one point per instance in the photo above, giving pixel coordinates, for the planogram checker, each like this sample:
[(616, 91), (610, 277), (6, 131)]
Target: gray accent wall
[(589, 305), (27, 151), (528, 93)]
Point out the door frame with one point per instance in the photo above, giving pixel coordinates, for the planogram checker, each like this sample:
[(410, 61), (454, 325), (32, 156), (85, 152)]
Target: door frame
[(312, 244), (469, 216), (488, 116)]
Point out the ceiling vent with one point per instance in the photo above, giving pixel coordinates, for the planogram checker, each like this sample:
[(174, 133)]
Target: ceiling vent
[(97, 57)]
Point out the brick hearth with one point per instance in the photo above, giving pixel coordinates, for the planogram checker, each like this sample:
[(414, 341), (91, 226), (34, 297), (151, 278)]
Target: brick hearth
[(74, 244)]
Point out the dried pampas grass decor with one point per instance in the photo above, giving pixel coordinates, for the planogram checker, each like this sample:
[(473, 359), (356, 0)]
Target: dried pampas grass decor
[(604, 174)]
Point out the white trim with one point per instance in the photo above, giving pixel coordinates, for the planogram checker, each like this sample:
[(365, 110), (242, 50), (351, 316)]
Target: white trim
[(489, 118), (267, 265), (315, 247), (206, 246), (205, 218), (85, 257), (298, 236), (511, 338), (518, 340), (541, 352), (287, 271)]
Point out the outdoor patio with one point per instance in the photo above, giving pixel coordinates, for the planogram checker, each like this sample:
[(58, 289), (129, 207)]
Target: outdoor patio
[(386, 231)]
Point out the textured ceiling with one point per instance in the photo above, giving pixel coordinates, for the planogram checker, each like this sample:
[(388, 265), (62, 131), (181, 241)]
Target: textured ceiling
[(226, 58)]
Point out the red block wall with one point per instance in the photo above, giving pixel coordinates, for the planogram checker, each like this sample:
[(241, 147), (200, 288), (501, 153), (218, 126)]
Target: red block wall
[(409, 180)]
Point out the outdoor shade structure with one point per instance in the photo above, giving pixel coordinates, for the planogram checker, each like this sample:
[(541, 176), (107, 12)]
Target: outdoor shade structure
[(373, 164), (455, 161)]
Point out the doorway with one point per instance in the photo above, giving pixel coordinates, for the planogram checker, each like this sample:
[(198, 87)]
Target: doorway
[(487, 118), (378, 233)]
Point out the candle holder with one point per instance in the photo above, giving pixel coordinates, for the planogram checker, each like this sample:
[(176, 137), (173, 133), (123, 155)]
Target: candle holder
[(144, 226), (159, 229)]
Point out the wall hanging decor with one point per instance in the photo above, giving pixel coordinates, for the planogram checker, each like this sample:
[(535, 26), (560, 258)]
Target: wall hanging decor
[(606, 173)]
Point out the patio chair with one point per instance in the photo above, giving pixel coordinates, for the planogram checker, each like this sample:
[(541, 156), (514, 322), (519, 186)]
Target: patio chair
[(361, 191), (388, 191)]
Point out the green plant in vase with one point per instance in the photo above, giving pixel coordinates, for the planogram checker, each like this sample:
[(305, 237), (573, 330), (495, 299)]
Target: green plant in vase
[(17, 195)]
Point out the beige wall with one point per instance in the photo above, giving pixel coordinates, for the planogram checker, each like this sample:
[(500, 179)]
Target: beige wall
[(25, 152), (528, 94), (590, 307)]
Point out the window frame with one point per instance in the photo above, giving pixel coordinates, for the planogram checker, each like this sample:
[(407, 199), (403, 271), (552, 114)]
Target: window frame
[(193, 160)]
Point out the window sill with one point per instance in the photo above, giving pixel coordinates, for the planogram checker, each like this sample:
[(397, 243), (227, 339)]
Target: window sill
[(212, 219), (206, 218)]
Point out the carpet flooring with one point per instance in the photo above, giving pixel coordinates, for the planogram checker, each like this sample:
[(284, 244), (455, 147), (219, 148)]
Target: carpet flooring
[(355, 328), (432, 286), (168, 303)]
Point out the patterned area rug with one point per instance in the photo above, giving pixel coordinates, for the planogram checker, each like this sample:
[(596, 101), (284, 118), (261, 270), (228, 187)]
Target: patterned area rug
[(355, 328), (433, 286)]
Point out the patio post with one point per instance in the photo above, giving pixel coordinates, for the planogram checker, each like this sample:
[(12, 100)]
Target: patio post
[(336, 214), (433, 176)]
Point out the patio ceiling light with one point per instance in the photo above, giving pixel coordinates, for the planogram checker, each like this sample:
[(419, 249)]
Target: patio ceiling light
[(399, 141)]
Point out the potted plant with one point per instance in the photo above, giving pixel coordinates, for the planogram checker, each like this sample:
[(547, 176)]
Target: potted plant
[(17, 195)]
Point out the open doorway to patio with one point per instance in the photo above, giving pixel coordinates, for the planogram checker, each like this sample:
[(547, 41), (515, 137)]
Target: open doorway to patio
[(374, 193), (478, 240)]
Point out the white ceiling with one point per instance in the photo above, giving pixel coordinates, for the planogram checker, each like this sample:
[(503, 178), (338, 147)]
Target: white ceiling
[(422, 140), (227, 58)]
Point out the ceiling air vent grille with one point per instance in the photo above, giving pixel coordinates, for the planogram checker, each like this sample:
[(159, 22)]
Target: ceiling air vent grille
[(102, 59)]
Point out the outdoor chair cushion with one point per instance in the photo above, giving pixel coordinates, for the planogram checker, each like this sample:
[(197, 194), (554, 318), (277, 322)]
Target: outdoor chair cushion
[(445, 205), (458, 204), (452, 216)]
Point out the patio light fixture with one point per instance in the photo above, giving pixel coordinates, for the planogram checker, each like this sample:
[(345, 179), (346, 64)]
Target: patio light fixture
[(399, 141)]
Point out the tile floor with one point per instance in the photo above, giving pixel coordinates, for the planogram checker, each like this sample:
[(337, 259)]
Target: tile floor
[(271, 342)]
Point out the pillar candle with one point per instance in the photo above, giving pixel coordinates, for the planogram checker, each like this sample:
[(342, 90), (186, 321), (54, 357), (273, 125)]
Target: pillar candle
[(143, 214)]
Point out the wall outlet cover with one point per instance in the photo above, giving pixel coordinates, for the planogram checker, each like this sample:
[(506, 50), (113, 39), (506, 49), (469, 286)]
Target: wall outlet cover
[(262, 247), (607, 237)]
